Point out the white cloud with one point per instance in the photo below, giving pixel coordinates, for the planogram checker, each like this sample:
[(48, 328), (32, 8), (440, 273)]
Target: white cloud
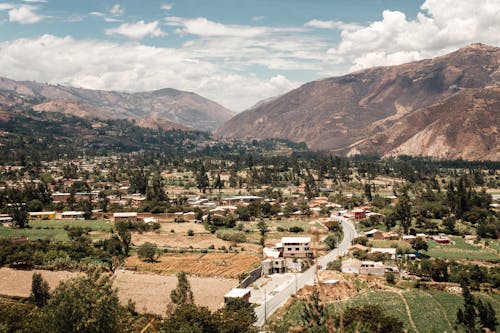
[(98, 14), (137, 30), (166, 6), (441, 26), (6, 6), (338, 25), (116, 10), (132, 67), (258, 18), (24, 14), (36, 1), (202, 27)]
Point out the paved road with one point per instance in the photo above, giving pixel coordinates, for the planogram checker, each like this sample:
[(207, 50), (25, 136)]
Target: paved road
[(273, 303)]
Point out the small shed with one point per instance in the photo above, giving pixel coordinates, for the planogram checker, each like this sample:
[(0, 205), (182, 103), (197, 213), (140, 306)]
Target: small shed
[(241, 293)]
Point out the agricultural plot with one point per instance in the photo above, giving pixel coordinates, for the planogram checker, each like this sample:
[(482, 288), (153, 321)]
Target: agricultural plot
[(421, 311), (229, 265), (55, 230), (462, 250)]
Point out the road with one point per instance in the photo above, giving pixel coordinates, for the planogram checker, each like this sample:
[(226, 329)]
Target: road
[(273, 303)]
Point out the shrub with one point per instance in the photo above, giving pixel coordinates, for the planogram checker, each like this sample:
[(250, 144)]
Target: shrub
[(296, 229), (147, 251), (190, 233), (390, 277)]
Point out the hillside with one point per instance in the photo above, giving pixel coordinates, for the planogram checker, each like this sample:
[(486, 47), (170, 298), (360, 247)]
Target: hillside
[(339, 113), (184, 108)]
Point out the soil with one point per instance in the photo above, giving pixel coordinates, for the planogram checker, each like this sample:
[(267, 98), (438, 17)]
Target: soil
[(151, 292)]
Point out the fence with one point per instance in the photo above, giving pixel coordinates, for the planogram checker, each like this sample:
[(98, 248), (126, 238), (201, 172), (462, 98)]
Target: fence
[(251, 278)]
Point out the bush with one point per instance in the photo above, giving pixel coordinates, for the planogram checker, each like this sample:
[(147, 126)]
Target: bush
[(331, 242), (296, 229), (190, 233), (234, 237), (335, 265), (390, 278)]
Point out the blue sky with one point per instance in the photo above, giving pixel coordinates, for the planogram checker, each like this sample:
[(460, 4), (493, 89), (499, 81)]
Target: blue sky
[(234, 52)]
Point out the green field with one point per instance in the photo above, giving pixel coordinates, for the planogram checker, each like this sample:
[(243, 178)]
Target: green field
[(463, 250), (54, 229), (428, 311)]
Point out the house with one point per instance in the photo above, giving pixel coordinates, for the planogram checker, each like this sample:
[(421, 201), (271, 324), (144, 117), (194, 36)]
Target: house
[(125, 216), (4, 218), (408, 238), (358, 214), (372, 268), (296, 247), (59, 197), (239, 199), (351, 266), (42, 215), (72, 215), (441, 239), (355, 266), (241, 293), (149, 220), (375, 234), (391, 251), (390, 235), (273, 266)]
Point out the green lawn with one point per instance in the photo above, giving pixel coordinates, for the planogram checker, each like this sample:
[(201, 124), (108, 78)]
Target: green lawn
[(462, 250), (430, 311), (54, 229)]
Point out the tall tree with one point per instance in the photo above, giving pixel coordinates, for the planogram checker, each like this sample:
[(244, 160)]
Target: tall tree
[(182, 294), (39, 290), (403, 211)]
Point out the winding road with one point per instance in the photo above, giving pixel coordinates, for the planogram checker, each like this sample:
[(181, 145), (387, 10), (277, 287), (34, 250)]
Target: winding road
[(273, 303)]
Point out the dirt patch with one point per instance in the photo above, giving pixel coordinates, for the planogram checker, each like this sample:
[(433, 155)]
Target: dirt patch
[(18, 282), (341, 290), (229, 265), (198, 228), (151, 293)]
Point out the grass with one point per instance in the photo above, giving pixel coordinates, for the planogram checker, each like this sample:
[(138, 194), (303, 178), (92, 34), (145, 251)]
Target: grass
[(430, 310), (54, 229), (462, 250), (391, 243)]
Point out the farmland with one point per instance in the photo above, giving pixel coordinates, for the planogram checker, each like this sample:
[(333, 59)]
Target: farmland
[(55, 230), (462, 250), (420, 310)]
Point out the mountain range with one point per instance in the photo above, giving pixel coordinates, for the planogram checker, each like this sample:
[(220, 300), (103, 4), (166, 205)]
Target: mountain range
[(445, 107), (165, 108)]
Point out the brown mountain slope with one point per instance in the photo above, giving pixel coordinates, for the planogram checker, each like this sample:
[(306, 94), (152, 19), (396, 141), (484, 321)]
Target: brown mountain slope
[(176, 106), (336, 113), (465, 125)]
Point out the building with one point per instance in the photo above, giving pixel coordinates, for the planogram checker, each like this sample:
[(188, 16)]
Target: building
[(125, 216), (42, 215), (241, 293), (4, 218), (273, 266), (72, 215), (375, 234), (389, 250), (295, 247), (355, 266)]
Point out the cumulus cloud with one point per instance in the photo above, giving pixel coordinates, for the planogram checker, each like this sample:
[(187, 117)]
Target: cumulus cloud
[(441, 26), (137, 30), (24, 14), (116, 10), (166, 6), (132, 67)]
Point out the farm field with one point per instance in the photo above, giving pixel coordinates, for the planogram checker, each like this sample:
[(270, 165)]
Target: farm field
[(54, 229), (228, 265), (15, 282), (421, 311), (151, 293), (463, 250)]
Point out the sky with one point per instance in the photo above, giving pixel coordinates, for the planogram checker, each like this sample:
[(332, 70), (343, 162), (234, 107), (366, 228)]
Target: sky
[(234, 52)]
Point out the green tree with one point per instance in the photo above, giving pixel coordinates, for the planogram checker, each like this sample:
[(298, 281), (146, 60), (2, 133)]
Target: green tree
[(237, 316), (147, 251), (419, 244), (314, 316), (123, 230), (103, 201), (403, 211), (39, 290), (182, 294), (86, 304), (331, 241), (19, 215)]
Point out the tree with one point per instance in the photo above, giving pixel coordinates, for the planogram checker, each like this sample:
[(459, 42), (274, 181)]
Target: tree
[(19, 215), (237, 316), (182, 294), (475, 315), (368, 191), (403, 211), (331, 241), (419, 244), (39, 290), (370, 318), (123, 230), (86, 304), (189, 318), (201, 178), (87, 209), (314, 316), (147, 251), (219, 184)]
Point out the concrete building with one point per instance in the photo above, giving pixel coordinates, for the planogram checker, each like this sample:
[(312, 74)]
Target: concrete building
[(296, 247), (125, 216), (241, 293)]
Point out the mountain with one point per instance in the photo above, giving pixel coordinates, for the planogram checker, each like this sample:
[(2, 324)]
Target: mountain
[(362, 108), (159, 107)]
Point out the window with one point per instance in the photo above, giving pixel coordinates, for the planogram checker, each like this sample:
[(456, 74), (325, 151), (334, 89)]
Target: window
[(297, 249), (289, 249)]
